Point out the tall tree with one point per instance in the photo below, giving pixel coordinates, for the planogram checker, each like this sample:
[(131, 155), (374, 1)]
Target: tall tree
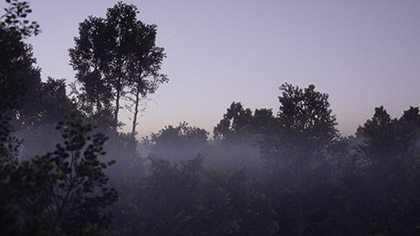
[(116, 56), (144, 67), (391, 163), (16, 60), (296, 149), (304, 121), (90, 58)]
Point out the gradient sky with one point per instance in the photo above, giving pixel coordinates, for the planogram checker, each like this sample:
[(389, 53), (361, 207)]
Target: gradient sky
[(364, 54)]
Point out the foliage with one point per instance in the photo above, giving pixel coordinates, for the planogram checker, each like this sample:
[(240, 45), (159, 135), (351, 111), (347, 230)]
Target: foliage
[(16, 10), (177, 143), (45, 103), (8, 165), (64, 191), (390, 149), (304, 130), (186, 199), (240, 126), (16, 60), (115, 56), (314, 182), (296, 151), (236, 138)]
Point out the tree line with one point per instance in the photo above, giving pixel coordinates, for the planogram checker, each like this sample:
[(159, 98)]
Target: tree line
[(65, 169)]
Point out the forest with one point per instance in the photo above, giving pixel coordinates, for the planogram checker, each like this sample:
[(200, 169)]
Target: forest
[(67, 169)]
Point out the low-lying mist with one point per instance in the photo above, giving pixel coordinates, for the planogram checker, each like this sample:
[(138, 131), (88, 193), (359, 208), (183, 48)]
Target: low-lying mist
[(260, 174), (66, 169)]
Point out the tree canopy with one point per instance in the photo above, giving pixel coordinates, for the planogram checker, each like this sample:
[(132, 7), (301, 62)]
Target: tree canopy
[(116, 57)]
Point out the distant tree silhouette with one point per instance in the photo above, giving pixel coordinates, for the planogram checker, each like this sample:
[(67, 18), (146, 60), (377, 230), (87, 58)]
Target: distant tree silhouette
[(236, 120), (242, 126), (390, 152), (296, 150), (177, 143), (116, 56), (305, 127)]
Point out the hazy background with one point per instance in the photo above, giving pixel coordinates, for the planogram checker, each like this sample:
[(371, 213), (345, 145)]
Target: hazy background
[(362, 53)]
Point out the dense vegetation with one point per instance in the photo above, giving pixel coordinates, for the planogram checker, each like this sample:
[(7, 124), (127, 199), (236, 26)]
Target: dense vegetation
[(262, 173)]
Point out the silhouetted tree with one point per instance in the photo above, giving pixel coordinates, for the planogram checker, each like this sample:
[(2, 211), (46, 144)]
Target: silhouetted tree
[(90, 59), (236, 137), (15, 71), (296, 150), (60, 192), (45, 104), (24, 98), (66, 191), (115, 56), (177, 143), (16, 60), (305, 128), (235, 122), (391, 157), (241, 126)]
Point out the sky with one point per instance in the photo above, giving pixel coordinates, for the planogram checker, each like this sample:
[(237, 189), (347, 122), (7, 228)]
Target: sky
[(364, 54)]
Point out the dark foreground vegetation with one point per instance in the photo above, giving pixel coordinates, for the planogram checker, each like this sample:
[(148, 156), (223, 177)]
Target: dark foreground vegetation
[(263, 173)]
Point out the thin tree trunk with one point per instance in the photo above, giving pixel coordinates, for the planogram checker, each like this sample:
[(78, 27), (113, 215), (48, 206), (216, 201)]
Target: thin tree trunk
[(117, 102), (136, 111)]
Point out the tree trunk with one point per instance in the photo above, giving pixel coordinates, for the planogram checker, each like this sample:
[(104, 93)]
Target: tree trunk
[(136, 111), (117, 102)]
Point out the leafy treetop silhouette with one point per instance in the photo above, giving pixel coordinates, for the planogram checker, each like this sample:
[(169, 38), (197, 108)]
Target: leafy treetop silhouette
[(116, 57)]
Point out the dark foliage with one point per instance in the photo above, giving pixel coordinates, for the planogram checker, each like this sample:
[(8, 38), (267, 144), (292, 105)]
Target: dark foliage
[(116, 57), (177, 143), (312, 181)]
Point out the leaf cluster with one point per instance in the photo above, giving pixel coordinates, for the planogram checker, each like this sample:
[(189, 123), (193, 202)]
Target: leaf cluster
[(64, 191)]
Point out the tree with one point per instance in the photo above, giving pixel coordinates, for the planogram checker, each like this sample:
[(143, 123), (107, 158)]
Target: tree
[(15, 71), (58, 192), (144, 68), (115, 56), (241, 126), (64, 191), (90, 59), (391, 157), (296, 150), (305, 127), (45, 104), (16, 59), (177, 143), (235, 122)]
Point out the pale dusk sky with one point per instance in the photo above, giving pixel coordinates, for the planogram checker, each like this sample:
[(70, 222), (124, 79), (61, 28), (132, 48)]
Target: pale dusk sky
[(364, 54)]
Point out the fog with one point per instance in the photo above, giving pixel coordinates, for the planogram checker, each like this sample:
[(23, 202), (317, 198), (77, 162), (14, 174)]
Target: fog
[(66, 168), (262, 173)]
